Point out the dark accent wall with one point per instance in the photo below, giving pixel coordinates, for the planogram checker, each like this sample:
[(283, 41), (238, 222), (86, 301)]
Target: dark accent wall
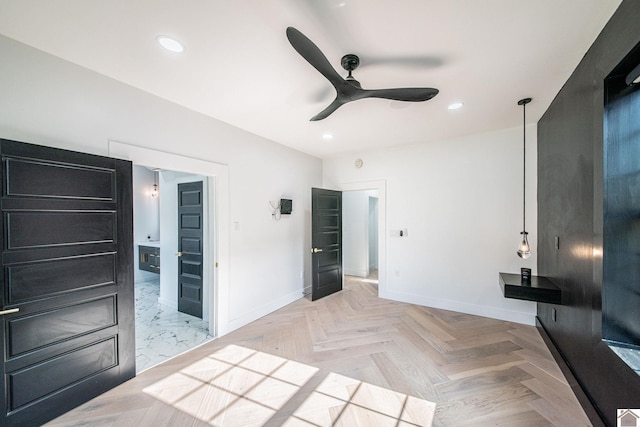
[(570, 205)]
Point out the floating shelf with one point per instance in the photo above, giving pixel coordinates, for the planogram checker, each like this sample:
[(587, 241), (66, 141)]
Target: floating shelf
[(540, 289)]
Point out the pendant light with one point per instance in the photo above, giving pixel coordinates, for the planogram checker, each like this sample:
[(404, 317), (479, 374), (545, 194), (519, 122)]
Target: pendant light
[(524, 250), (154, 192)]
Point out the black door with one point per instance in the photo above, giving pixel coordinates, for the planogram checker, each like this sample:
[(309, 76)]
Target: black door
[(67, 280), (190, 248), (326, 241)]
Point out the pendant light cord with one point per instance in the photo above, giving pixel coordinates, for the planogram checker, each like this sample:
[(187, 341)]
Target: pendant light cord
[(524, 164), (524, 103)]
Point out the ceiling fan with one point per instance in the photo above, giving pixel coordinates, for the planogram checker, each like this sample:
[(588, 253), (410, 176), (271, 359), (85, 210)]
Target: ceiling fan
[(348, 89)]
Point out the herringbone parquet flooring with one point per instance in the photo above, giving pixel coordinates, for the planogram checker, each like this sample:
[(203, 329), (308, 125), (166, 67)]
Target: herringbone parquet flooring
[(350, 359)]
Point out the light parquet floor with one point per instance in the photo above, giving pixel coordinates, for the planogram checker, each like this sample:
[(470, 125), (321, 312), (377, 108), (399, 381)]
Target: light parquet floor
[(350, 359)]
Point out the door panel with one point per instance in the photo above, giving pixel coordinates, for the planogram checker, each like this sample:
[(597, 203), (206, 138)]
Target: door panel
[(190, 268), (326, 239), (48, 278), (40, 179), (70, 368), (29, 333), (42, 229), (67, 252)]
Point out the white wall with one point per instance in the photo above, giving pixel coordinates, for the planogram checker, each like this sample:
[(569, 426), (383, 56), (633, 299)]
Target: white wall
[(45, 100), (355, 232), (145, 217), (461, 204)]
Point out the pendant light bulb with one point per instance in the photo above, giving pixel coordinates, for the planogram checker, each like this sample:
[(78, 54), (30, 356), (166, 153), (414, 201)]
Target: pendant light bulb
[(524, 250)]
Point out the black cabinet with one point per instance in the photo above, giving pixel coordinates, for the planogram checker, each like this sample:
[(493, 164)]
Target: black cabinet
[(149, 258)]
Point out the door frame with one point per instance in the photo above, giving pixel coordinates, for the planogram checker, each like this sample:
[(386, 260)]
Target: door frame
[(381, 186), (217, 237)]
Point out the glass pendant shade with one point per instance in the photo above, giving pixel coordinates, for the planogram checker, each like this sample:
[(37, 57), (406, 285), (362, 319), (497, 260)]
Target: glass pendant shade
[(154, 192), (524, 250)]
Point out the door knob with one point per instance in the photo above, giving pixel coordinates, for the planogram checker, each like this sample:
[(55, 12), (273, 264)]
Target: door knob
[(316, 250), (178, 254)]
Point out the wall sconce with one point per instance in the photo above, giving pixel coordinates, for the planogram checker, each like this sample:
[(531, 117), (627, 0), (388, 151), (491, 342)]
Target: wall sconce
[(524, 250)]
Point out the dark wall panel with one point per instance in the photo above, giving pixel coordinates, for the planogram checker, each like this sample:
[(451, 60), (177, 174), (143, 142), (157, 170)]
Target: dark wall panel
[(570, 205)]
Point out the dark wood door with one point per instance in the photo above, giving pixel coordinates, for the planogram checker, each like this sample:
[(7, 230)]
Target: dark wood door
[(67, 280), (190, 199), (326, 241)]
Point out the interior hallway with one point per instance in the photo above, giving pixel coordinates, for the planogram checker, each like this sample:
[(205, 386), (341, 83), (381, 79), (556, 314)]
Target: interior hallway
[(350, 359)]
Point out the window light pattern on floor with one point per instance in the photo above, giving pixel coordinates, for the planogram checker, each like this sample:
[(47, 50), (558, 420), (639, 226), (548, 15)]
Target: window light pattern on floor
[(237, 386)]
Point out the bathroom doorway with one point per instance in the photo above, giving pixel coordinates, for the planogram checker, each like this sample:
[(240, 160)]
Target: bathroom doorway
[(162, 329)]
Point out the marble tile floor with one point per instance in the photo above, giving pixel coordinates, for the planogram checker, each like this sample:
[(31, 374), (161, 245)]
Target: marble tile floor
[(161, 331)]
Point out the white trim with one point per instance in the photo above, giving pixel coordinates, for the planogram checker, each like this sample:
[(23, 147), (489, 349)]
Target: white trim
[(168, 303), (355, 272), (381, 186), (463, 307), (218, 236), (263, 310)]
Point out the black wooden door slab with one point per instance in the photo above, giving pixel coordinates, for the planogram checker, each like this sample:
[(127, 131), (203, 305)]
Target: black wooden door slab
[(67, 280), (190, 201), (326, 241)]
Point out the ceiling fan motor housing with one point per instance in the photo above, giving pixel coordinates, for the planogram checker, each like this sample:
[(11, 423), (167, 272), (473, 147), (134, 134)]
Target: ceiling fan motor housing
[(350, 62)]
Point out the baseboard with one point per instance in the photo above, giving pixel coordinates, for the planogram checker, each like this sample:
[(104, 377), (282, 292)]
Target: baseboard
[(462, 307), (168, 303), (357, 273), (258, 312), (576, 387)]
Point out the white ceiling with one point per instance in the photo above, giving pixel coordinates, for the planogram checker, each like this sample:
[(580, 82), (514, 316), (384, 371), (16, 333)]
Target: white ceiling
[(240, 68)]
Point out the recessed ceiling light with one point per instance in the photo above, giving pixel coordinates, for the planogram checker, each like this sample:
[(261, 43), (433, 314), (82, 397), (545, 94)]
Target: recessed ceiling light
[(455, 106), (171, 44), (327, 136)]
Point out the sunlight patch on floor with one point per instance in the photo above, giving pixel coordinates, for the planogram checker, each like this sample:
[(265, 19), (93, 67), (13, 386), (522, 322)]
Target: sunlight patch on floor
[(343, 401), (237, 386)]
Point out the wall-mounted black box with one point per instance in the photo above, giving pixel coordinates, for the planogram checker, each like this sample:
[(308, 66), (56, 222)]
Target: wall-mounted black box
[(286, 205)]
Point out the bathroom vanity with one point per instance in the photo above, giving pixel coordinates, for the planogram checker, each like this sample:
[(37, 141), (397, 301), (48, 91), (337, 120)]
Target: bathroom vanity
[(149, 256)]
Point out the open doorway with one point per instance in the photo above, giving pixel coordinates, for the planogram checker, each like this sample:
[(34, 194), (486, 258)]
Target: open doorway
[(163, 330), (360, 241), (216, 239)]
